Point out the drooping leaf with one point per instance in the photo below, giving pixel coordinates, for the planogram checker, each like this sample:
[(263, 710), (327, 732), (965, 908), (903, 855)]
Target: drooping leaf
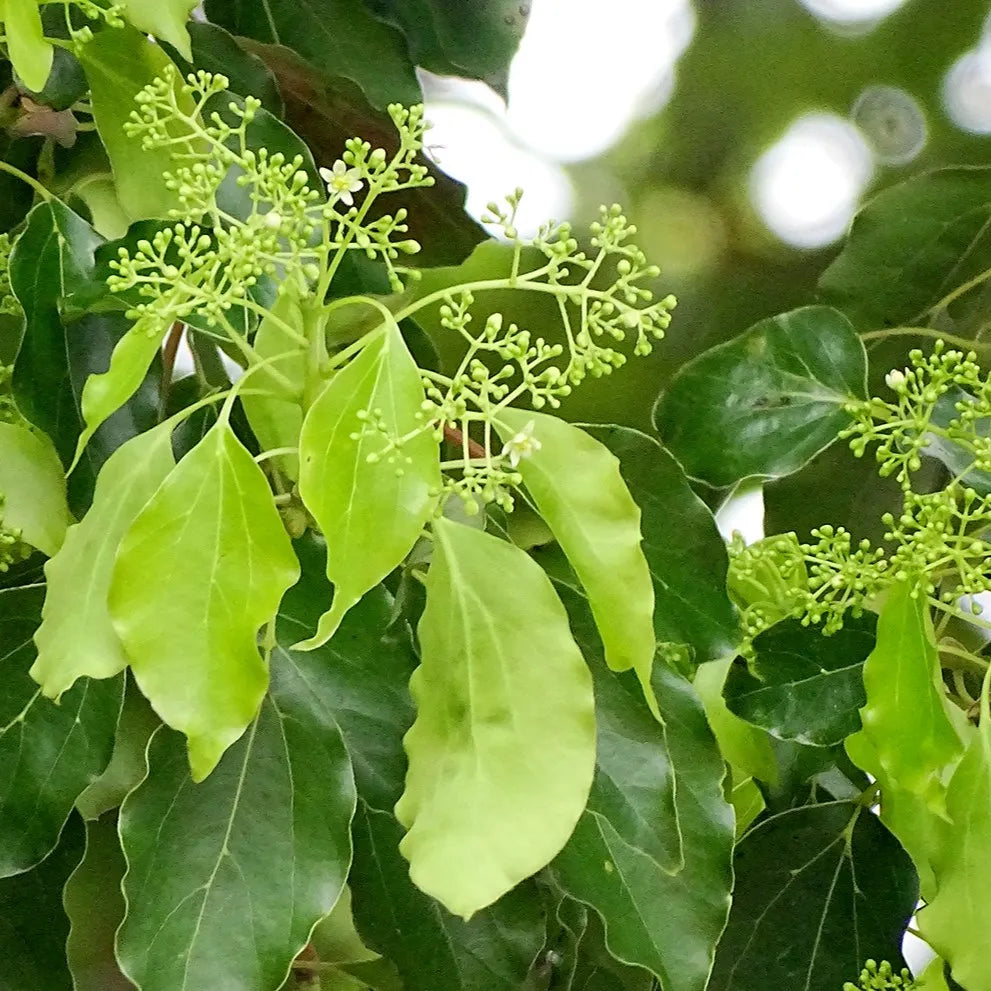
[(666, 923), (165, 19), (32, 484), (24, 35), (907, 716), (202, 567), (340, 37), (685, 553), (818, 891), (48, 752), (802, 685), (910, 246), (370, 505), (576, 484), (33, 926), (270, 858), (76, 637), (502, 752), (766, 402)]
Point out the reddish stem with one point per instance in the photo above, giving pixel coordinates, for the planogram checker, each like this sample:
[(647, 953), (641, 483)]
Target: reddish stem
[(169, 351), (456, 437)]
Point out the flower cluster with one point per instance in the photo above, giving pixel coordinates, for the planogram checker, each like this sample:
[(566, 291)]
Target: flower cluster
[(881, 977), (8, 301)]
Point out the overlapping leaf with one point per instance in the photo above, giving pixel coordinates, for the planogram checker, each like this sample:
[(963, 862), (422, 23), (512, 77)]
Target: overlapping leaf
[(24, 36), (165, 19)]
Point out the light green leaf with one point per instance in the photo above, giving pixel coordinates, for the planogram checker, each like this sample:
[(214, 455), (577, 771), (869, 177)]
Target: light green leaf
[(32, 485), (906, 717), (576, 484), (371, 512), (118, 65), (31, 54), (201, 568), (277, 418), (76, 637), (165, 19), (502, 752)]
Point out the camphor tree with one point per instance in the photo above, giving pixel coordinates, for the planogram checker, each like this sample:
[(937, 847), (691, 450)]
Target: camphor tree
[(348, 660)]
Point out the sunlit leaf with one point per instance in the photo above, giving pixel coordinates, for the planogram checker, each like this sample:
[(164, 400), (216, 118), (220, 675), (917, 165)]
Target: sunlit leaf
[(76, 636), (48, 753), (165, 19), (262, 847), (766, 402), (503, 748), (32, 484), (576, 484), (818, 891), (370, 505), (24, 36), (201, 568)]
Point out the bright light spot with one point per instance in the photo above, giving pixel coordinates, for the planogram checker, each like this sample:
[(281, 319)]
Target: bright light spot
[(743, 513), (852, 11), (473, 146), (807, 186), (586, 70), (918, 954), (967, 91), (893, 123)]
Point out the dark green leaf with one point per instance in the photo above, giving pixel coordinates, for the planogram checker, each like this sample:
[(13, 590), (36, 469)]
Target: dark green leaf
[(66, 82), (766, 402), (48, 753), (802, 685), (819, 890), (685, 553)]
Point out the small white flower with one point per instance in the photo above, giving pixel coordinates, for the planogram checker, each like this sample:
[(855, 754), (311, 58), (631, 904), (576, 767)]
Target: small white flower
[(522, 445), (342, 182), (895, 379)]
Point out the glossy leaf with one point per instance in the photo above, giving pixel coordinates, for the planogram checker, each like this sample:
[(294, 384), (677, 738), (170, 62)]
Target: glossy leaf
[(340, 37), (24, 36), (33, 926), (165, 19), (818, 891), (684, 551), (48, 752), (766, 402), (32, 484), (906, 719), (371, 512), (910, 246), (201, 568), (76, 637), (802, 685), (666, 923), (503, 748), (576, 484), (269, 858)]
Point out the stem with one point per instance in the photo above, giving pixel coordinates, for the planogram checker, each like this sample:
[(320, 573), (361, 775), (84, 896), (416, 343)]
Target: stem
[(950, 297), (30, 180), (275, 453), (169, 351), (459, 439), (938, 335)]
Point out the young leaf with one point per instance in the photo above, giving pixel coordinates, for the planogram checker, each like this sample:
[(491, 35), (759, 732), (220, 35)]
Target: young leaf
[(48, 752), (76, 637), (165, 19), (577, 486), (370, 506), (24, 35), (502, 752), (818, 891), (906, 716), (198, 572), (766, 402), (270, 859), (32, 485)]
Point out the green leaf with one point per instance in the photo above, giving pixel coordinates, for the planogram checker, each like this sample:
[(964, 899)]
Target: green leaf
[(165, 19), (33, 926), (119, 64), (371, 512), (32, 484), (95, 906), (340, 38), (818, 891), (906, 719), (912, 245), (803, 686), (768, 401), (666, 923), (684, 551), (201, 568), (576, 484), (270, 850), (48, 753), (76, 637), (31, 54), (502, 752)]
